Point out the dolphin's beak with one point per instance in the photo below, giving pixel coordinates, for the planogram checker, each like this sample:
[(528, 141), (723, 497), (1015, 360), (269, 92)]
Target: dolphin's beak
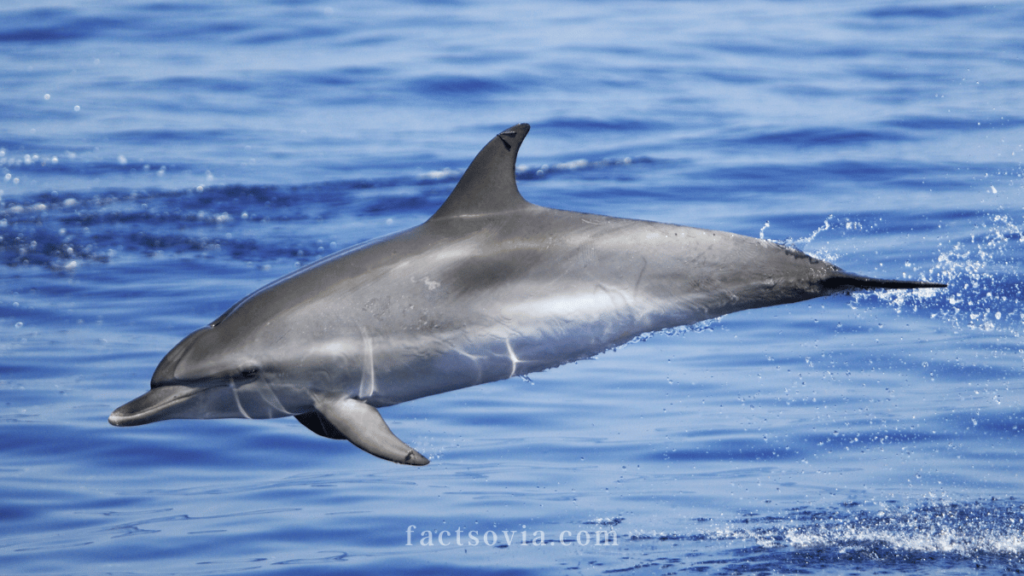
[(158, 404), (171, 396)]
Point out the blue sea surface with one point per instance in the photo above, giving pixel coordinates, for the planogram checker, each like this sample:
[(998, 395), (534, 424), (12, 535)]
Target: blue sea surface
[(159, 161)]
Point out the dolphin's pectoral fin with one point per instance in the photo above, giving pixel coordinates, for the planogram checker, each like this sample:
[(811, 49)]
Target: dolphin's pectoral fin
[(316, 422), (363, 426)]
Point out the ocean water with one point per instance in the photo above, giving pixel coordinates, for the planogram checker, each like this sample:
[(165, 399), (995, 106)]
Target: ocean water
[(159, 161)]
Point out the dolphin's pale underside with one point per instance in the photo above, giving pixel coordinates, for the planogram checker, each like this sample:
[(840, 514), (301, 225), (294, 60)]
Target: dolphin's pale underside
[(490, 287)]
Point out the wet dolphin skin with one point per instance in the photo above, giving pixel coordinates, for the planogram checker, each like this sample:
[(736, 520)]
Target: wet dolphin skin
[(490, 287)]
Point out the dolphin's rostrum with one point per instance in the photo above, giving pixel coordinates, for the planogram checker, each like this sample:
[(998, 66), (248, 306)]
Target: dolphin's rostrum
[(490, 287)]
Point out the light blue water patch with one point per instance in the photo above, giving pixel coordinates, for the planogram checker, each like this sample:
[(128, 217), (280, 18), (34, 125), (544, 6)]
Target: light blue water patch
[(158, 162)]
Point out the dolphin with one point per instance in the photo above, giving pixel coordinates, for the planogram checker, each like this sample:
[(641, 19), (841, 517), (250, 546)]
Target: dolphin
[(489, 287)]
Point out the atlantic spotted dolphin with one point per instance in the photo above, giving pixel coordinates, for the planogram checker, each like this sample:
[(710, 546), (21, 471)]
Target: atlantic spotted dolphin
[(490, 287)]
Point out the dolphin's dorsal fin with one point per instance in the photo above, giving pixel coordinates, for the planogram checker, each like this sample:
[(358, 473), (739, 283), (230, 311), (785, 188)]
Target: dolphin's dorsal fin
[(489, 184)]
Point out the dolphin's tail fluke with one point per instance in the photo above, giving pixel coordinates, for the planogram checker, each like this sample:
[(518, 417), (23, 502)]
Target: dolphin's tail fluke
[(847, 281)]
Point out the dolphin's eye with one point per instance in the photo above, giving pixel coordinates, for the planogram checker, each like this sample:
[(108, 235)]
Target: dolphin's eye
[(250, 372)]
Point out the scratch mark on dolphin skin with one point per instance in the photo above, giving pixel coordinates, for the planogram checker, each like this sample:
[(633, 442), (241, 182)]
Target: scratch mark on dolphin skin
[(512, 356), (474, 359), (511, 133), (636, 287), (238, 401), (269, 395), (368, 384)]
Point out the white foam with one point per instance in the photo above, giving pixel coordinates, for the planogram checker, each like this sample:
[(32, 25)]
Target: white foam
[(966, 530)]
